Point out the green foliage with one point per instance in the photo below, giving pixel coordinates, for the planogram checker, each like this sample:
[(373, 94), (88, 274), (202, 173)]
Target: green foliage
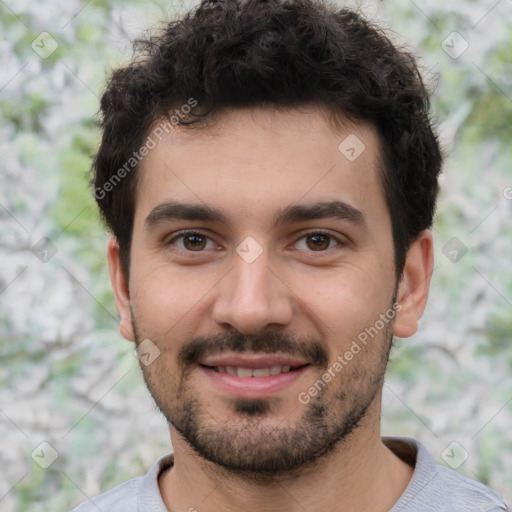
[(498, 335)]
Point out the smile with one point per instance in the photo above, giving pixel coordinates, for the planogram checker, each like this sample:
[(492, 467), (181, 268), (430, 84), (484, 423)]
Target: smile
[(254, 376), (254, 372)]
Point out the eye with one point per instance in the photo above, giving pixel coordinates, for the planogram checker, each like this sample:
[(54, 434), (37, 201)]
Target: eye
[(192, 241), (318, 241)]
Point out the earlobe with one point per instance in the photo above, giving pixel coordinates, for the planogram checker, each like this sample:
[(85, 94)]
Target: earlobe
[(121, 289), (414, 285)]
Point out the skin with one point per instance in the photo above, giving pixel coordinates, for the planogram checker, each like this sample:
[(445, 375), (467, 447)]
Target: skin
[(252, 164)]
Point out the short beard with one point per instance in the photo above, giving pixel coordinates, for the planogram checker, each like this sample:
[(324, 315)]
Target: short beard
[(262, 453), (250, 448)]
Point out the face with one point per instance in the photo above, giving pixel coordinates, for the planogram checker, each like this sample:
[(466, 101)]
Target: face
[(262, 270)]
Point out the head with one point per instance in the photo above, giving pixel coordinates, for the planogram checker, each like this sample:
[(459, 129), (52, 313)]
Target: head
[(293, 141)]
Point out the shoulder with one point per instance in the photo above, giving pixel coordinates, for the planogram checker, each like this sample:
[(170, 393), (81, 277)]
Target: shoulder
[(458, 492), (138, 494), (435, 487), (122, 498)]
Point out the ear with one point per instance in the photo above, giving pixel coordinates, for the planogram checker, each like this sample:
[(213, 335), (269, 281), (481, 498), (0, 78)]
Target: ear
[(121, 289), (414, 285)]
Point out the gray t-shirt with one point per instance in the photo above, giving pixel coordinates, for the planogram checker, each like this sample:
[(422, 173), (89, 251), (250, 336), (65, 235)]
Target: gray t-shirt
[(432, 487)]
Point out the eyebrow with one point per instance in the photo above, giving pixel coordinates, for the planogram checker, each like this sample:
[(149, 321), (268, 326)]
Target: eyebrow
[(321, 210), (172, 210)]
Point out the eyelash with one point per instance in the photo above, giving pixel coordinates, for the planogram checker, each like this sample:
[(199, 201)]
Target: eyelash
[(188, 232)]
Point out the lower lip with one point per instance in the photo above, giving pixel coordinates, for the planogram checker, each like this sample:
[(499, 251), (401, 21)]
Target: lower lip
[(253, 387)]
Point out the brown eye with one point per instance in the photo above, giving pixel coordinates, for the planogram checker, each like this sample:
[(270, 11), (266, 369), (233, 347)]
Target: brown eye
[(318, 242), (194, 242)]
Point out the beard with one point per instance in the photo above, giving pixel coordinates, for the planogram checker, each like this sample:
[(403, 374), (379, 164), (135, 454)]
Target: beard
[(253, 443)]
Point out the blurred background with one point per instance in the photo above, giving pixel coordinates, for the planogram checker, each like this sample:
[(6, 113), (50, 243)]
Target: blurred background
[(75, 417)]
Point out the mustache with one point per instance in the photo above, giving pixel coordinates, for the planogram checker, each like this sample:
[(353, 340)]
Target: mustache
[(271, 342)]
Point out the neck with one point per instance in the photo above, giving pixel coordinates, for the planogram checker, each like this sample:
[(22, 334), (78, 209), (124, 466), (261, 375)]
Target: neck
[(360, 473)]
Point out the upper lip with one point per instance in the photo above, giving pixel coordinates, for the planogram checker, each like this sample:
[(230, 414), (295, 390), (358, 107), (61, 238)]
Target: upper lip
[(253, 361)]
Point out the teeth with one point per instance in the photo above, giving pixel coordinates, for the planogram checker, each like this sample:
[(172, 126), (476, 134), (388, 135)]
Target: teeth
[(275, 370), (244, 372), (248, 372), (261, 372)]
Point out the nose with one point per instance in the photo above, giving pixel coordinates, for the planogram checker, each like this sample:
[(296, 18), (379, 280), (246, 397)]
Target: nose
[(252, 297)]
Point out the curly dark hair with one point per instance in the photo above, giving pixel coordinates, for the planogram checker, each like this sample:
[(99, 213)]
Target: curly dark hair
[(279, 54)]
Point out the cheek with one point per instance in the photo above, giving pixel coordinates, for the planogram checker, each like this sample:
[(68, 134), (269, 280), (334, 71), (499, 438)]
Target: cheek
[(342, 303), (164, 297)]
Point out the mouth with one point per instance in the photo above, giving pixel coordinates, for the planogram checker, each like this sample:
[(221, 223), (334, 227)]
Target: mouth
[(254, 375), (254, 372)]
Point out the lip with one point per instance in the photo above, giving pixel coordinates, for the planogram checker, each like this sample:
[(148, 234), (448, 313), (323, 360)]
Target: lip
[(251, 387), (252, 361)]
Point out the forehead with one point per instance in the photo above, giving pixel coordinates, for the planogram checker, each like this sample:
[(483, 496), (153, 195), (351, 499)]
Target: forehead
[(253, 162)]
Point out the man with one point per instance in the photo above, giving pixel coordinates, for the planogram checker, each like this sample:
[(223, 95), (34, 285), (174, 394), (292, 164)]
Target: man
[(269, 174)]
